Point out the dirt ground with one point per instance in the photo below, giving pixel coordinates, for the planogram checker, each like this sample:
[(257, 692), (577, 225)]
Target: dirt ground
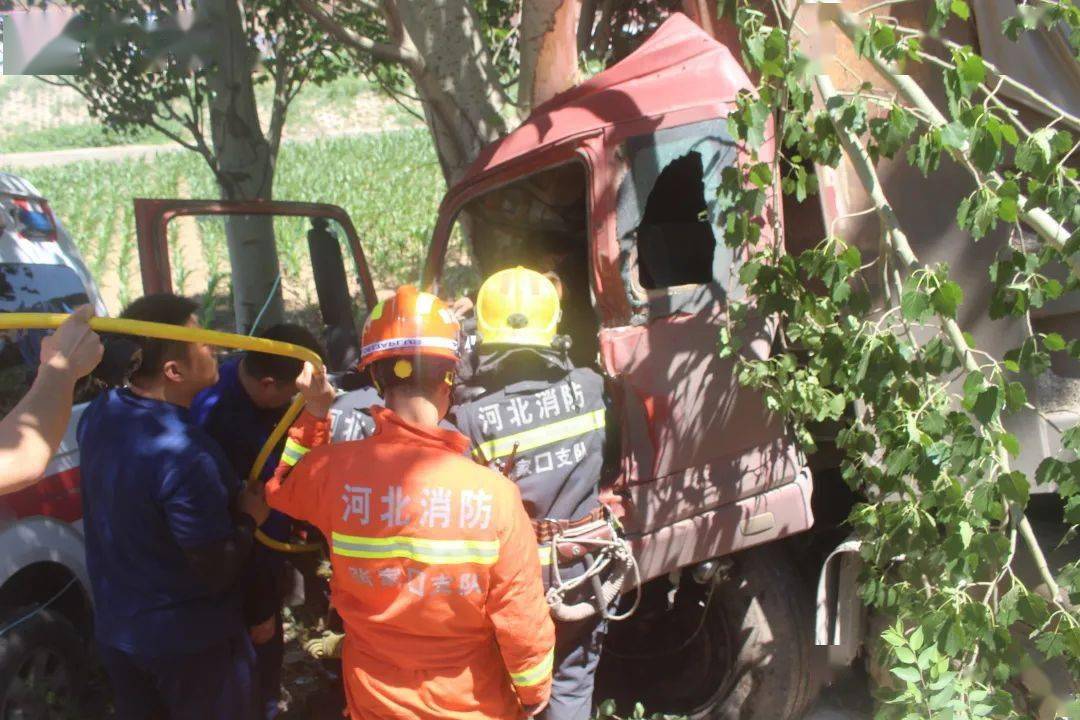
[(313, 691), (317, 695)]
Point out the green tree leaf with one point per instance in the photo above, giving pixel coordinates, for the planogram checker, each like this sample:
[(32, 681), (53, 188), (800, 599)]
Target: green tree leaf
[(955, 135), (894, 638), (892, 132), (978, 212), (1014, 486), (1053, 342), (906, 673), (966, 533), (915, 642), (1070, 439), (929, 656), (971, 70), (1008, 210), (925, 154), (1051, 644), (1010, 443), (1033, 609), (942, 698), (988, 404), (1015, 396), (947, 298), (1052, 471), (973, 386), (761, 175), (1035, 153)]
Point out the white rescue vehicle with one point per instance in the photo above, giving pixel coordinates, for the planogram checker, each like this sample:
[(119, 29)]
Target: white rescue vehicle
[(45, 604)]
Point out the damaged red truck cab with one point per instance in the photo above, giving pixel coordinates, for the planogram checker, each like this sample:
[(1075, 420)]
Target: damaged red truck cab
[(705, 470)]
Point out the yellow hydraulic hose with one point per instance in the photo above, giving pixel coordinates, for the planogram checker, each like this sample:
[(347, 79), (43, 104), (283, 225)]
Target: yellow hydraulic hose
[(182, 333)]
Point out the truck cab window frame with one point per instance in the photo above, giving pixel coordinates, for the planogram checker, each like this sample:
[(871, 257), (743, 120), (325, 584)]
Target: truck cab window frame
[(668, 220), (540, 221)]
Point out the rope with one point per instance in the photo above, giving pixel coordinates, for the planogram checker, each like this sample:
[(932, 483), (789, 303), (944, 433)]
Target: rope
[(609, 552), (12, 625), (182, 333), (266, 305), (683, 645)]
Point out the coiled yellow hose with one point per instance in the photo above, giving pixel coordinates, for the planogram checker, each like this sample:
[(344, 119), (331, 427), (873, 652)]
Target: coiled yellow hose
[(181, 333)]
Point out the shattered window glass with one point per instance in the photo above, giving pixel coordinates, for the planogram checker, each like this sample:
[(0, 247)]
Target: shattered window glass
[(667, 208)]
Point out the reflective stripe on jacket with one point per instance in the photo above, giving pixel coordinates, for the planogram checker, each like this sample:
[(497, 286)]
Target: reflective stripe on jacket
[(435, 566)]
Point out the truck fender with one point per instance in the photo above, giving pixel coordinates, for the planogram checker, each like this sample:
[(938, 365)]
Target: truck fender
[(42, 539), (840, 615)]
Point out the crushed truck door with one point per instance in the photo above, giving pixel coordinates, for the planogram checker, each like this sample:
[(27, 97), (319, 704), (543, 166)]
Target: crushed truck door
[(338, 295), (706, 469)]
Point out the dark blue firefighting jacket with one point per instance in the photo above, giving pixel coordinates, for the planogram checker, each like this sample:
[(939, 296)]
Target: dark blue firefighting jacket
[(533, 406)]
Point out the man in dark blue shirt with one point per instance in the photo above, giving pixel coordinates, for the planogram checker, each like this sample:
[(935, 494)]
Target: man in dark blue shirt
[(240, 411), (164, 547)]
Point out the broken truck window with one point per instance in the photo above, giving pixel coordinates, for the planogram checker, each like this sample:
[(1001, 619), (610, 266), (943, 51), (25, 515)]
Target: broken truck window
[(667, 214), (675, 240)]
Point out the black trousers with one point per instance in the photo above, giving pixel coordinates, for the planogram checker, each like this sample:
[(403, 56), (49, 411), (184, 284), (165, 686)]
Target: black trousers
[(577, 653), (214, 684)]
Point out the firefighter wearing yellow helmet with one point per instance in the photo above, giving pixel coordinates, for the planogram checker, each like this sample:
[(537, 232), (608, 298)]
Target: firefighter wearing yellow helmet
[(529, 411), (517, 307)]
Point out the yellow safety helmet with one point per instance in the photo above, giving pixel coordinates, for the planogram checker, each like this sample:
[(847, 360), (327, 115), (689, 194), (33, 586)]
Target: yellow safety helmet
[(517, 306)]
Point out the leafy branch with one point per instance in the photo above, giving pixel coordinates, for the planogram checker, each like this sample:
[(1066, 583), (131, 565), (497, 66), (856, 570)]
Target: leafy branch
[(921, 410), (1036, 217), (898, 243)]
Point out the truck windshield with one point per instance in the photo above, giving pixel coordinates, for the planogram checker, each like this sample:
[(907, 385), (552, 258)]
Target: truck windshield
[(540, 222), (30, 288)]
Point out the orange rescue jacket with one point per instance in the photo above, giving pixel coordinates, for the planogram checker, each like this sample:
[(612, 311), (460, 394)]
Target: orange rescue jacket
[(435, 570)]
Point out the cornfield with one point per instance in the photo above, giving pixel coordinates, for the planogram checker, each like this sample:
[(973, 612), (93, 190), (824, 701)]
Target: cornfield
[(389, 183)]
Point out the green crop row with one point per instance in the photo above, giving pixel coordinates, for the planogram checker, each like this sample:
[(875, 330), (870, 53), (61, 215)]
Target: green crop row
[(78, 135), (389, 183)]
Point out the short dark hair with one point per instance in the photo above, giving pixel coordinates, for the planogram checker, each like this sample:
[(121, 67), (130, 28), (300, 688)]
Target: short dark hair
[(160, 308), (281, 368)]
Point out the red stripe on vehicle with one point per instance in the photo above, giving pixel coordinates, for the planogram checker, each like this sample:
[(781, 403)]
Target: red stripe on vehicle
[(57, 496)]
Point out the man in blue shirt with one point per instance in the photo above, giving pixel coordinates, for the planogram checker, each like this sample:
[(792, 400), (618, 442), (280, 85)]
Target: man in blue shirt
[(240, 411), (168, 531)]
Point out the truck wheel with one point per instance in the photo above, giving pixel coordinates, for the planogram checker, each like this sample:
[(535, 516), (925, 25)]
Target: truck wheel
[(739, 650), (42, 664)]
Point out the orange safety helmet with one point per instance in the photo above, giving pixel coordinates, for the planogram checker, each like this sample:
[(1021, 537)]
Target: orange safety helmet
[(408, 324)]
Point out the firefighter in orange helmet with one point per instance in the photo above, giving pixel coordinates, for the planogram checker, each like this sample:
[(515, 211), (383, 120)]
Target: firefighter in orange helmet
[(435, 566)]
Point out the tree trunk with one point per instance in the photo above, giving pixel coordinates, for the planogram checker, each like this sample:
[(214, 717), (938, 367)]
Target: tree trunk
[(705, 14), (453, 75), (245, 169), (549, 50)]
